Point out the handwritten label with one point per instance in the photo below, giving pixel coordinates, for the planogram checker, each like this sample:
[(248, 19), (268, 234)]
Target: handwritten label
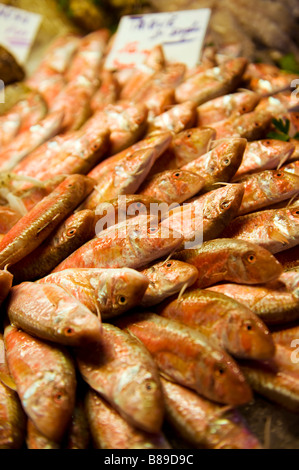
[(181, 34), (18, 29)]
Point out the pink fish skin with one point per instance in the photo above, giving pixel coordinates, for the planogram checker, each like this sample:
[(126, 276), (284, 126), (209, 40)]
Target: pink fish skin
[(45, 378), (124, 373), (49, 312), (203, 423), (189, 358)]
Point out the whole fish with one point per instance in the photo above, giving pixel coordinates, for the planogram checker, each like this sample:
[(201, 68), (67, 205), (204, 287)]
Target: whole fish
[(109, 292), (123, 372), (251, 126), (75, 152), (173, 186), (274, 229), (34, 227), (12, 419), (49, 312), (165, 279), (225, 106), (225, 259), (24, 114), (176, 119), (203, 423), (232, 325), (76, 230), (205, 217), (274, 304), (219, 164), (132, 247), (185, 147), (267, 187), (78, 434), (126, 178), (29, 140), (45, 378), (211, 83), (265, 154), (110, 430), (189, 358), (36, 440)]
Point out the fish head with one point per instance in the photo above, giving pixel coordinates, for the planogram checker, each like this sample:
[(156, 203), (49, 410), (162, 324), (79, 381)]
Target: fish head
[(248, 101), (252, 263), (192, 143), (223, 379), (120, 290), (139, 392), (227, 157), (51, 391), (172, 274), (247, 337), (139, 163), (78, 223), (222, 205)]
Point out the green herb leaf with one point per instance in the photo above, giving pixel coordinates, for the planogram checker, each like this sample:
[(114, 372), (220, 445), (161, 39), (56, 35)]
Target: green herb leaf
[(296, 136), (278, 136), (289, 63)]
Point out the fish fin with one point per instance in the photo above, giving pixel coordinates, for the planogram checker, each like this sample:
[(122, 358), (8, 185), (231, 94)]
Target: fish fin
[(185, 286), (8, 381), (292, 200), (277, 236), (282, 161)]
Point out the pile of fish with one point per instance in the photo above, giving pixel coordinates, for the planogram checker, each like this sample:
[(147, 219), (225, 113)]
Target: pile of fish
[(148, 251)]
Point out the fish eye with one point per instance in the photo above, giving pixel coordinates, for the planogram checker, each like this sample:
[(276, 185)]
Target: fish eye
[(296, 212), (122, 300), (152, 229), (226, 161), (71, 232), (189, 135), (224, 204), (68, 331), (150, 385), (256, 124), (244, 109), (168, 265), (251, 258), (58, 397), (220, 370), (268, 142), (177, 174), (279, 173), (95, 146)]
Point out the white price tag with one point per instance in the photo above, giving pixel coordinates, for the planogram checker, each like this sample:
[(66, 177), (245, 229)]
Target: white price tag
[(181, 34), (17, 31)]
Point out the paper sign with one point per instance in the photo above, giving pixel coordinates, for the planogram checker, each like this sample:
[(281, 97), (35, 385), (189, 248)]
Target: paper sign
[(181, 34), (17, 31)]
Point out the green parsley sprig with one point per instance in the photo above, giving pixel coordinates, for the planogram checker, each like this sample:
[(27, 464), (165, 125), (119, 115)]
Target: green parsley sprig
[(282, 130)]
